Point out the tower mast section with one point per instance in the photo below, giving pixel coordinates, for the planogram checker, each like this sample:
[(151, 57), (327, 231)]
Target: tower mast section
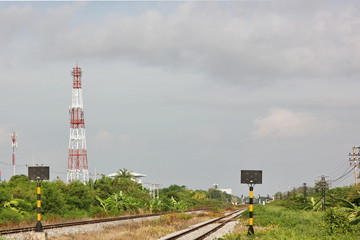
[(13, 147), (77, 155)]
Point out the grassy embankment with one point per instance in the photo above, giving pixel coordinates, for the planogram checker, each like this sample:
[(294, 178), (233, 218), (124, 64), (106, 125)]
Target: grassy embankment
[(273, 222)]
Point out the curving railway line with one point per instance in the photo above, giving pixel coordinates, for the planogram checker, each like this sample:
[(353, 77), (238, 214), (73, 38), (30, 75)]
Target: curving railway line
[(198, 232), (203, 230)]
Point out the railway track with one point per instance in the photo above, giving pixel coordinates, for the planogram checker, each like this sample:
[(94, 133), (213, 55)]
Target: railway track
[(203, 230), (220, 222), (71, 224)]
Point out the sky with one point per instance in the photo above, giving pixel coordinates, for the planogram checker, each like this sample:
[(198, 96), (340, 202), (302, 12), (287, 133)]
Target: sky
[(186, 92)]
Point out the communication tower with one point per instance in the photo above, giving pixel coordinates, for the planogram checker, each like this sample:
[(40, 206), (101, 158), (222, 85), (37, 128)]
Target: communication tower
[(77, 156), (14, 146)]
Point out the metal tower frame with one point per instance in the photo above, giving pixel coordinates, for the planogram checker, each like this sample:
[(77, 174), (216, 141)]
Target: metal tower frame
[(14, 146), (77, 156)]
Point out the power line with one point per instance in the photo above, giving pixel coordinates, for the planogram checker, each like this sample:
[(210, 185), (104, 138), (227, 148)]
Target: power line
[(338, 168), (9, 164), (342, 180), (5, 163), (343, 175)]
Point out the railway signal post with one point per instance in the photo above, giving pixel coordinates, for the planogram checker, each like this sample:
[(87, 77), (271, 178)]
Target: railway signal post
[(38, 173), (251, 177)]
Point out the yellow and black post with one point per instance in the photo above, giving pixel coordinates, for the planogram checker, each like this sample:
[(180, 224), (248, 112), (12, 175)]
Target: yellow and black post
[(251, 210), (39, 227), (251, 177)]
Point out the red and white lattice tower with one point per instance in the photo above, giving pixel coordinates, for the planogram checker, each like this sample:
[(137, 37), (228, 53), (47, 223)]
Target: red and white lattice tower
[(77, 158), (13, 147)]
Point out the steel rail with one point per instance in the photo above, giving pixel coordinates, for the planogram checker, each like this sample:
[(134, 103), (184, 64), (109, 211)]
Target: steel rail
[(70, 224), (221, 225), (185, 232)]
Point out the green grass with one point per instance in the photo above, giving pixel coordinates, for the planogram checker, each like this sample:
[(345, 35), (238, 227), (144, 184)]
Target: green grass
[(273, 222)]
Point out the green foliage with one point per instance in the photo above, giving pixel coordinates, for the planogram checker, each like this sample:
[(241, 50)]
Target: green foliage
[(106, 186), (105, 196), (316, 205), (297, 202), (123, 173), (274, 222), (350, 209), (354, 195), (9, 216), (53, 199), (216, 194), (178, 205), (5, 195), (77, 196), (18, 205), (119, 203), (155, 205), (336, 221)]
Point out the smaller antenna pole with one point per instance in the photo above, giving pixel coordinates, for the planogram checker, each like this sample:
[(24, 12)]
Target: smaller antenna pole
[(13, 147)]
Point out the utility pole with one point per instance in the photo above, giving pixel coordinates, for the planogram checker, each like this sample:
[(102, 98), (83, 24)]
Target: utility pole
[(323, 185), (305, 192), (354, 161)]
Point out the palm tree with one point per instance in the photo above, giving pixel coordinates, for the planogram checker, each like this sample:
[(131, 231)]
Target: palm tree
[(124, 173)]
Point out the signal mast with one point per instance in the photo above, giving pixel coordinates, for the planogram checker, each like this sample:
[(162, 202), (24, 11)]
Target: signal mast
[(14, 146), (77, 156)]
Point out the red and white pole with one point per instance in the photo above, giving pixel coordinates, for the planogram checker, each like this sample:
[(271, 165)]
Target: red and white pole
[(13, 147)]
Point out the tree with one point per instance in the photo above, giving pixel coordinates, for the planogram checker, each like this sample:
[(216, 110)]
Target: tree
[(78, 196), (53, 200), (119, 203), (124, 173), (216, 194)]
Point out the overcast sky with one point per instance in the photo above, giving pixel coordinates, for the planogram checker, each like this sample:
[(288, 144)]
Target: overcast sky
[(188, 93)]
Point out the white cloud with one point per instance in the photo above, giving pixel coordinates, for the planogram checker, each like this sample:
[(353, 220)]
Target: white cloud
[(237, 43), (106, 140), (102, 137), (287, 123), (209, 135)]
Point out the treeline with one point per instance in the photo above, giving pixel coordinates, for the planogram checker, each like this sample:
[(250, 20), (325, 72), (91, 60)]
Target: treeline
[(340, 206), (103, 197)]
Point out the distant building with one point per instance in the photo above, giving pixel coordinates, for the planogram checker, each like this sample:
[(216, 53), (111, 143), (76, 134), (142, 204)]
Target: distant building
[(228, 191), (137, 177)]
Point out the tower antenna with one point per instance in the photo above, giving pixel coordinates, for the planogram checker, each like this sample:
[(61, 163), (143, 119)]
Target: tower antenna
[(77, 156), (14, 146)]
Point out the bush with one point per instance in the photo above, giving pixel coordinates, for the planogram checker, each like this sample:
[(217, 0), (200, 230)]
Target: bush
[(76, 214), (8, 215), (336, 221)]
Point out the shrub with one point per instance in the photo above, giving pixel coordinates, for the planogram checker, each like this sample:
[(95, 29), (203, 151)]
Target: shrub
[(336, 221), (8, 215)]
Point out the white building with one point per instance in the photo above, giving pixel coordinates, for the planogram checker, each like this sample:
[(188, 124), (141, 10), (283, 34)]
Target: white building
[(228, 190), (137, 177)]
